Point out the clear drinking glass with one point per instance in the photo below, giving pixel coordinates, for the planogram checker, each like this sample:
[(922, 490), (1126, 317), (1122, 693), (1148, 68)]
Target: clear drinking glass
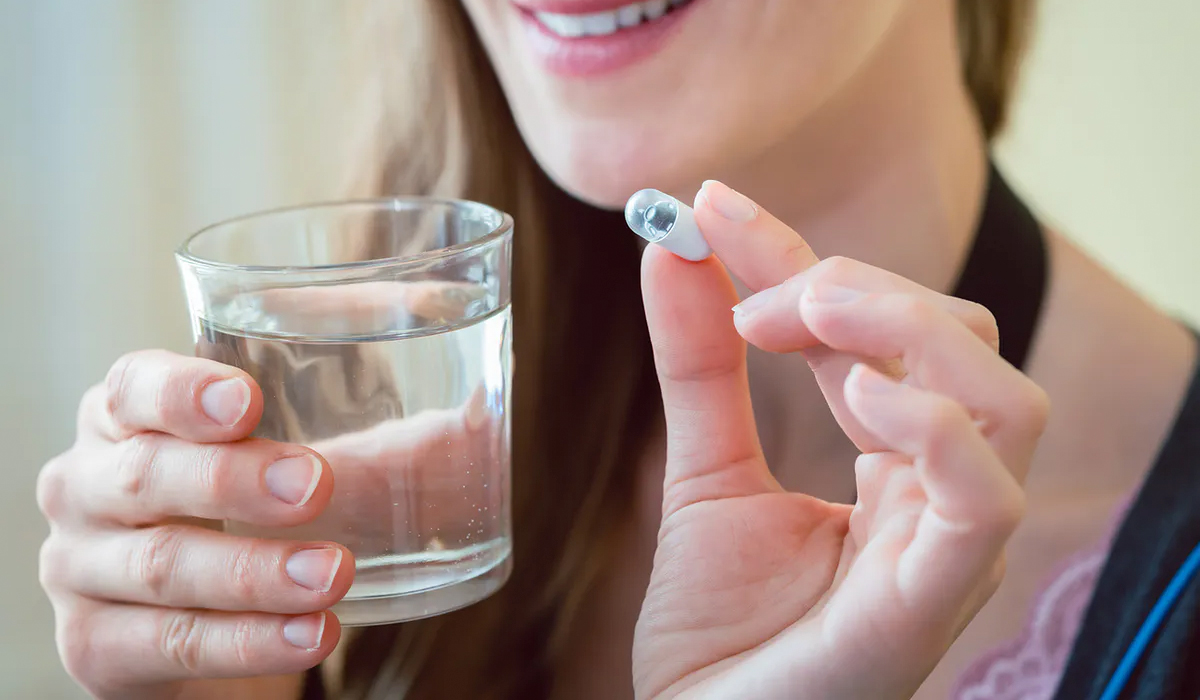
[(380, 334)]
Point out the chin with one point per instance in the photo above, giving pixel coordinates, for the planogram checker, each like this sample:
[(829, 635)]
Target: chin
[(609, 109), (605, 172), (597, 186)]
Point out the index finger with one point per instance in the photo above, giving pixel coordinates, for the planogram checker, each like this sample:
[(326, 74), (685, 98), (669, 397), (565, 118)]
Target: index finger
[(191, 398), (759, 249)]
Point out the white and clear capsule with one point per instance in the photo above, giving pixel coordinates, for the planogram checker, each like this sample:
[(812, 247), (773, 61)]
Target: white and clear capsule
[(660, 218)]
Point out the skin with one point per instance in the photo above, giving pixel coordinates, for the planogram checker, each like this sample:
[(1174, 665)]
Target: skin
[(752, 466)]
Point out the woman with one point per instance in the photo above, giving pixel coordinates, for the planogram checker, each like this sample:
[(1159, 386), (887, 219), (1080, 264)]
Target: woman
[(863, 125)]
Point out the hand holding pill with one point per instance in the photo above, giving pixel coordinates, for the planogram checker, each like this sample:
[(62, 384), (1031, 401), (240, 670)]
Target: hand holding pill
[(758, 592)]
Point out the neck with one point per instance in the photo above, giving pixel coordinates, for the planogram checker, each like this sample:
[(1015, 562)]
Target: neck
[(890, 171)]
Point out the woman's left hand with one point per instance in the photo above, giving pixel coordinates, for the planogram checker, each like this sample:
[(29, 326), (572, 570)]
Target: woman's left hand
[(757, 592)]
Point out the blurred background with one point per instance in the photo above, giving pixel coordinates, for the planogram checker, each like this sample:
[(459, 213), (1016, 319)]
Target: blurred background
[(126, 124)]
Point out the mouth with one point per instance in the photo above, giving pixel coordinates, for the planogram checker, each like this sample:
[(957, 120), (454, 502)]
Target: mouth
[(578, 44), (624, 18)]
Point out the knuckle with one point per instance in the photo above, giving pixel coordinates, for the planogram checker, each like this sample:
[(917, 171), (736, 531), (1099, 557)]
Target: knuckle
[(941, 420), (944, 416), (118, 383), (216, 473), (246, 575), (1014, 509), (172, 397), (243, 645), (78, 647), (51, 488), (798, 250), (912, 308), (995, 576), (1032, 407), (53, 563), (1008, 510), (835, 269), (980, 320), (1004, 514), (76, 654), (154, 563), (182, 640), (135, 470), (94, 399)]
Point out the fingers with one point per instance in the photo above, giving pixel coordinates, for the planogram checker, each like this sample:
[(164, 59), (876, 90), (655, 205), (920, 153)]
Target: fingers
[(187, 567), (712, 443), (194, 399), (771, 321), (775, 262), (940, 354), (153, 476), (887, 487), (759, 249), (974, 503), (964, 479), (93, 422), (119, 647)]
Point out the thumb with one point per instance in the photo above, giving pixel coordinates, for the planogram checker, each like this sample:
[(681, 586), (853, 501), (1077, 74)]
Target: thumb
[(712, 443)]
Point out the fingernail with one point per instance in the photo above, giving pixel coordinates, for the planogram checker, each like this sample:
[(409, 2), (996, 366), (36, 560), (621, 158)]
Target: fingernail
[(755, 302), (833, 294), (305, 632), (294, 479), (314, 569), (728, 202), (871, 382), (226, 401)]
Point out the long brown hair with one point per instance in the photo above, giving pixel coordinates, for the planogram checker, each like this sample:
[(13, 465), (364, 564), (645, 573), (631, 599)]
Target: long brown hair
[(584, 395)]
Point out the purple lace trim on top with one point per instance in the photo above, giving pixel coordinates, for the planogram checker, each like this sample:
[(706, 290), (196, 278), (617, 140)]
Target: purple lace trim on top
[(1029, 667)]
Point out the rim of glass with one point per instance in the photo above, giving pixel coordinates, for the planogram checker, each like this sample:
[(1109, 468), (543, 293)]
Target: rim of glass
[(184, 254)]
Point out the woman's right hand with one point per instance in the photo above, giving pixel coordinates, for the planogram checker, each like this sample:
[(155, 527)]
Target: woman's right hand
[(149, 596)]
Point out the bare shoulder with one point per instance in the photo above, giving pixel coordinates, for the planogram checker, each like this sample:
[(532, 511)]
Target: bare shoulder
[(1116, 370)]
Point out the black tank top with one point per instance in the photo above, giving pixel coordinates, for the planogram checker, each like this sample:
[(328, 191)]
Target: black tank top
[(1159, 531)]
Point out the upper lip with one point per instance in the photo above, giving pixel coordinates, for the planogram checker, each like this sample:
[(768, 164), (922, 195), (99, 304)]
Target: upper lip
[(572, 7)]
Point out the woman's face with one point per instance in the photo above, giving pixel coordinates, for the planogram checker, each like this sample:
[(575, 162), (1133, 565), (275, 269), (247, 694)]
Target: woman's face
[(613, 97)]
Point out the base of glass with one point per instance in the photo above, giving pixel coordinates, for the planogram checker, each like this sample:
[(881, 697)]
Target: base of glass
[(415, 605)]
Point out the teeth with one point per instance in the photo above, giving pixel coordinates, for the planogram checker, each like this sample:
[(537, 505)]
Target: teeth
[(605, 23), (599, 24), (562, 25), (629, 16)]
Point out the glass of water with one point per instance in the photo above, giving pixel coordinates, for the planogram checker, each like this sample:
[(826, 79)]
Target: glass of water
[(380, 334)]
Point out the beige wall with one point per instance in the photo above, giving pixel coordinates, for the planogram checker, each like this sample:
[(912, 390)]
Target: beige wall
[(127, 123), (1105, 138)]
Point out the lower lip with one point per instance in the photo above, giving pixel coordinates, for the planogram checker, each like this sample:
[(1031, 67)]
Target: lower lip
[(596, 55)]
